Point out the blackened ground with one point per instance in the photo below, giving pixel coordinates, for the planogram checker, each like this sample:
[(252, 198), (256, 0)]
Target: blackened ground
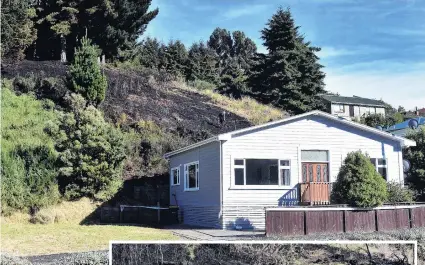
[(146, 95)]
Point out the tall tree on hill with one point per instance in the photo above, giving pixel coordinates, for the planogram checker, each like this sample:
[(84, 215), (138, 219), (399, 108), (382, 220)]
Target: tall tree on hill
[(244, 50), (176, 58), (149, 53), (202, 61), (233, 81), (221, 42), (113, 25), (17, 28), (289, 76)]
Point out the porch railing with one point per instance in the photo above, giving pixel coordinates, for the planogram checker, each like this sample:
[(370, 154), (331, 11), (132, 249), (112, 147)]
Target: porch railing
[(314, 193)]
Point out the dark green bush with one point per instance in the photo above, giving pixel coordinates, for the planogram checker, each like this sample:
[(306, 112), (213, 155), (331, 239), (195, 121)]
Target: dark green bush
[(399, 193), (91, 152), (358, 183), (86, 77)]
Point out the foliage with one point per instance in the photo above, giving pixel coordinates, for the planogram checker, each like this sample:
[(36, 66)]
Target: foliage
[(201, 85), (289, 76), (233, 82), (175, 58), (114, 25), (358, 183), (374, 120), (398, 193), (86, 77), (145, 146), (17, 28), (91, 152), (416, 156), (202, 61), (28, 155)]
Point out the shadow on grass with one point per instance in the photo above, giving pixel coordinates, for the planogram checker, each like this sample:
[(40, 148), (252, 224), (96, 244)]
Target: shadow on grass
[(134, 192)]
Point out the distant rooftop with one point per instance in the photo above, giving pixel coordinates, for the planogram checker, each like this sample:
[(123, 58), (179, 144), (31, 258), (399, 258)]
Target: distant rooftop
[(354, 100), (405, 124)]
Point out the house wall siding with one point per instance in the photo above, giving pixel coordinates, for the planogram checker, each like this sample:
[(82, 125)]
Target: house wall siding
[(201, 207), (245, 208)]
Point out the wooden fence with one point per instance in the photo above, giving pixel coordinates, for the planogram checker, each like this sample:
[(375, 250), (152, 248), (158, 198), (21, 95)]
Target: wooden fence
[(320, 220), (139, 215)]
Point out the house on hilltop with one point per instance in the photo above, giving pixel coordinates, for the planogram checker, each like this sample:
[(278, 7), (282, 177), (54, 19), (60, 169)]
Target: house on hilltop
[(353, 107), (226, 181)]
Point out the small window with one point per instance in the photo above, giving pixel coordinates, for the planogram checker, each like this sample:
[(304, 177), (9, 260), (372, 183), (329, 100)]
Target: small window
[(175, 176), (380, 166), (191, 176), (256, 172), (314, 156)]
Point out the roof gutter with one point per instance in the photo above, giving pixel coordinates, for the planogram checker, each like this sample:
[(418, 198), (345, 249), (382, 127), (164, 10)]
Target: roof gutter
[(189, 147)]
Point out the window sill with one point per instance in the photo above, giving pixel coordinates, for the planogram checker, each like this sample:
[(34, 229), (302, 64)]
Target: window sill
[(196, 189), (178, 184), (255, 187)]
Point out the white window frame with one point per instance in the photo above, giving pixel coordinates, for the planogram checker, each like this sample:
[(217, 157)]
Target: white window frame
[(186, 176), (172, 176), (249, 187), (377, 166)]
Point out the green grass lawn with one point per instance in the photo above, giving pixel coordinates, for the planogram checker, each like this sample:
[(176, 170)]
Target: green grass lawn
[(37, 239)]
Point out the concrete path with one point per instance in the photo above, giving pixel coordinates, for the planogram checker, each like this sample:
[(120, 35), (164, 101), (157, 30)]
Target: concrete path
[(185, 232)]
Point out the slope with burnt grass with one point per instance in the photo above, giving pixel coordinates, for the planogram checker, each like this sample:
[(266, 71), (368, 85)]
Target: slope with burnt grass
[(156, 96)]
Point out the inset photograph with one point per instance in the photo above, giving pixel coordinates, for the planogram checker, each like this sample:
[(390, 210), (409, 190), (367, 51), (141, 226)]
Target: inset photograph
[(271, 253)]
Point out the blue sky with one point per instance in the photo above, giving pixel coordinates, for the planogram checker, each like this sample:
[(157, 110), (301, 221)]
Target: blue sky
[(370, 48)]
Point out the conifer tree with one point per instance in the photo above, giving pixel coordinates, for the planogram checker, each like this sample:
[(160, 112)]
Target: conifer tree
[(202, 62), (176, 58), (86, 77), (289, 76)]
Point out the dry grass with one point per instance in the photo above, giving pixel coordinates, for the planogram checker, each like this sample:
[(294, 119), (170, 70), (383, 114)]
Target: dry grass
[(64, 212), (246, 107)]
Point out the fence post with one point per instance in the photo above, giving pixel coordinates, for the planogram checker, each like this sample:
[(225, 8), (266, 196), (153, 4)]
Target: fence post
[(344, 225), (376, 220), (159, 212), (305, 222), (410, 218)]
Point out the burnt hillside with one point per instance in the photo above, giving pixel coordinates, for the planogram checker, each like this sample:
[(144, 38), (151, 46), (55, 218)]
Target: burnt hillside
[(146, 96)]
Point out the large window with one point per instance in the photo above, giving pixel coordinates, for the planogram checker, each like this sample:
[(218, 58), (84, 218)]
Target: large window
[(259, 172), (191, 176), (380, 165), (175, 176)]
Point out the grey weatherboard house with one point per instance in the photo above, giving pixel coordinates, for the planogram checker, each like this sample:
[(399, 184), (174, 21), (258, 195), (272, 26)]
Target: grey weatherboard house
[(353, 107), (226, 181)]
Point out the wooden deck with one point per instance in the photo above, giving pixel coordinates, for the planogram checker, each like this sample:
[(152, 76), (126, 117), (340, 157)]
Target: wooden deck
[(315, 193)]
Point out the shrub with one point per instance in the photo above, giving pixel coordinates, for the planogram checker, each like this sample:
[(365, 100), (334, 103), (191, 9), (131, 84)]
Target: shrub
[(398, 193), (91, 152), (86, 77), (416, 156), (358, 183), (201, 85), (28, 154), (87, 258), (42, 218)]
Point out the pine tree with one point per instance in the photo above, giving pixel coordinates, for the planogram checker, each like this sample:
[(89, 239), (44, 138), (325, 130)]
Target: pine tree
[(176, 58), (86, 76), (289, 76), (149, 53), (113, 25), (17, 28), (202, 62), (221, 42), (233, 81)]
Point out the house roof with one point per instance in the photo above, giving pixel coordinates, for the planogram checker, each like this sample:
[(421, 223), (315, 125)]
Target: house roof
[(354, 100), (405, 124), (228, 136)]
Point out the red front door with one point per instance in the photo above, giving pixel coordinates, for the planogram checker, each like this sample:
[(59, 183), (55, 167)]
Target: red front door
[(315, 172)]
